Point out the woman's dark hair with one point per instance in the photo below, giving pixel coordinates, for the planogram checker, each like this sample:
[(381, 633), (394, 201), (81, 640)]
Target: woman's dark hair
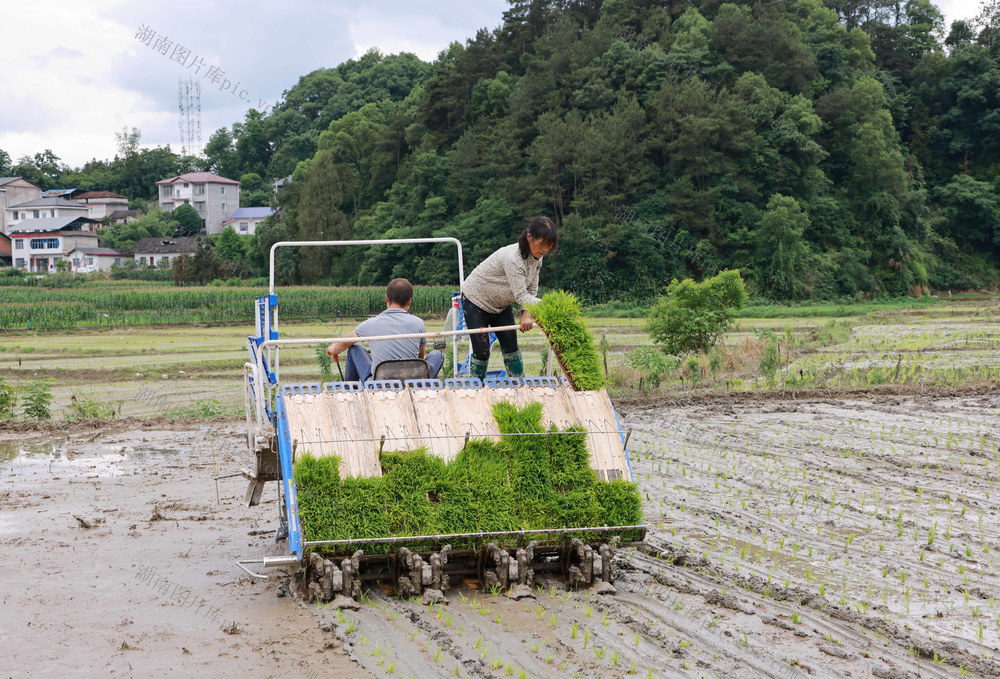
[(539, 228)]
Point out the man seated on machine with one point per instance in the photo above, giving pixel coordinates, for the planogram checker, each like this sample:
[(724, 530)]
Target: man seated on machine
[(395, 320)]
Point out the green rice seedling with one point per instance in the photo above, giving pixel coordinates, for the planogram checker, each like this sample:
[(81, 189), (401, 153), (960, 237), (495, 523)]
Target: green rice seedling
[(522, 482), (558, 313), (325, 364)]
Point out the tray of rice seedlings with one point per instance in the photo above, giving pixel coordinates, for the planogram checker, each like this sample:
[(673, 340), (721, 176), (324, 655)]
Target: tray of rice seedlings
[(558, 313), (500, 511)]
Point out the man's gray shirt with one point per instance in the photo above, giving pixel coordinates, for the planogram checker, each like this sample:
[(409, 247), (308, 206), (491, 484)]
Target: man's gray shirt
[(392, 322)]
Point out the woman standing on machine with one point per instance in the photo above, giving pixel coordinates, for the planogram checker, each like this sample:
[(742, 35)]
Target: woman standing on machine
[(509, 275)]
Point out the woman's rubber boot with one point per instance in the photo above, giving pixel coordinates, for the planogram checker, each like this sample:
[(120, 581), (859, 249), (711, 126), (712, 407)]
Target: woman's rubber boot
[(478, 368), (514, 364)]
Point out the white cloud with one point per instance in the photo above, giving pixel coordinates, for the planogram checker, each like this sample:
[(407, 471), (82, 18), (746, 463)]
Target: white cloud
[(74, 73), (954, 10)]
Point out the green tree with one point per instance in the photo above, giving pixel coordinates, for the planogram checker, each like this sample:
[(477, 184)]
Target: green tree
[(189, 223), (286, 266), (781, 253), (43, 169), (319, 216), (971, 209), (220, 154), (233, 248), (154, 224), (254, 192), (203, 266), (693, 316), (128, 157)]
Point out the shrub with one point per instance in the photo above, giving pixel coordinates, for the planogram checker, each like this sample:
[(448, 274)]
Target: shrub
[(652, 363), (559, 315), (8, 400), (770, 360), (37, 400), (81, 407), (693, 316)]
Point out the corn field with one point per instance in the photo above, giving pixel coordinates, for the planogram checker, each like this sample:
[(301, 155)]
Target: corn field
[(141, 304)]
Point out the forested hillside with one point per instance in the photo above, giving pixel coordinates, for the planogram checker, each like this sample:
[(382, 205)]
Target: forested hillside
[(826, 149)]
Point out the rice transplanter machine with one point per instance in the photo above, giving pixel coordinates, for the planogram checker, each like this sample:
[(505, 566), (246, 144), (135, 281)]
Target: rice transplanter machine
[(357, 421)]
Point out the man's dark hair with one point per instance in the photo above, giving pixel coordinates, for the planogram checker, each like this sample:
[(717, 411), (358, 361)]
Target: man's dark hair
[(399, 291), (539, 228)]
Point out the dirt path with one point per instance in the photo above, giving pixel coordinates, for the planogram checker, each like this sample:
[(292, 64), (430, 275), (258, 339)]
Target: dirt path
[(806, 538), (149, 587)]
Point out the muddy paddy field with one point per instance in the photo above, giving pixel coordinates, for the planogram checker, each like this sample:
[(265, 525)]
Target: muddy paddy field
[(806, 537)]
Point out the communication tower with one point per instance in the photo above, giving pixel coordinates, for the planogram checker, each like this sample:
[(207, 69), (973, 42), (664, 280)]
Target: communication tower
[(189, 104)]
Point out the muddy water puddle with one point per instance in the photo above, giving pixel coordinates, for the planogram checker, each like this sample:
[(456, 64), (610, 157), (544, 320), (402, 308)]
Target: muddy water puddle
[(66, 455)]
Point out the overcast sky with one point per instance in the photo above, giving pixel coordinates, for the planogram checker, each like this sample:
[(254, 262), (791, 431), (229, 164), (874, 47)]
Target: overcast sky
[(75, 73)]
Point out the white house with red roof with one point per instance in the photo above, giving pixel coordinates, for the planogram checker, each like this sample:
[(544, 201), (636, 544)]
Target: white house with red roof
[(213, 197), (102, 203), (37, 244)]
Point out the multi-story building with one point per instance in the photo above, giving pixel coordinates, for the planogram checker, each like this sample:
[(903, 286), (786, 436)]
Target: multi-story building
[(43, 208), (37, 244), (245, 220), (14, 190), (102, 203), (212, 196)]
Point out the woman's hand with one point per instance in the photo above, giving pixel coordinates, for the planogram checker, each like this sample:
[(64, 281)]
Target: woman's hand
[(526, 322)]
